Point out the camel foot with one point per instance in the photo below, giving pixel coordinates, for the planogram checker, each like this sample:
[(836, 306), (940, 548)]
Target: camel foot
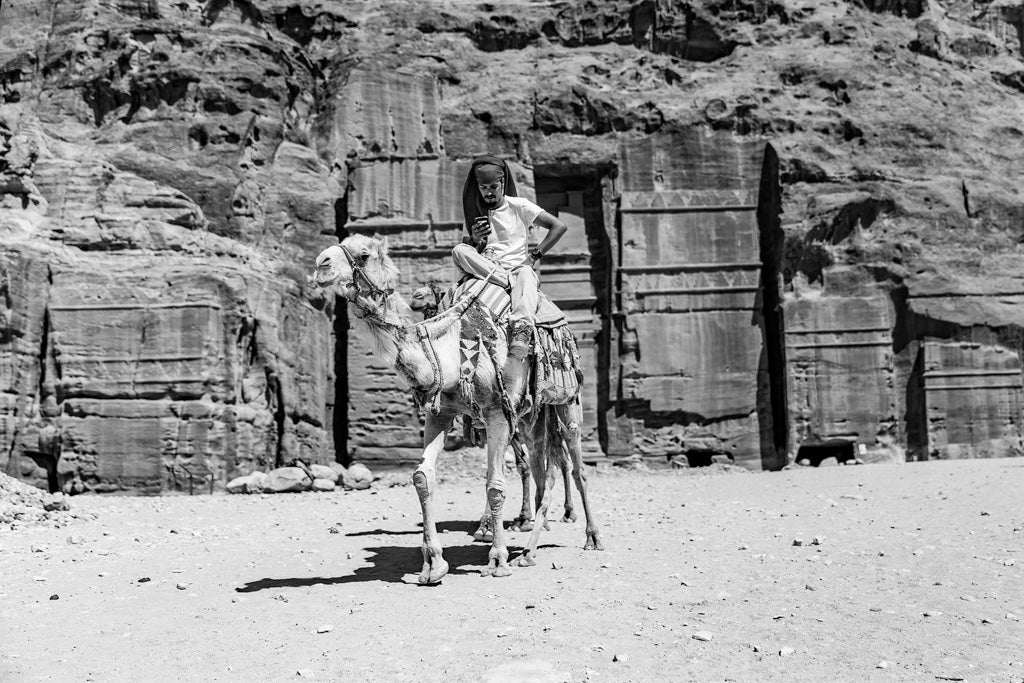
[(497, 563), (522, 524), (593, 541), (497, 571), (432, 574), (569, 516), (526, 560)]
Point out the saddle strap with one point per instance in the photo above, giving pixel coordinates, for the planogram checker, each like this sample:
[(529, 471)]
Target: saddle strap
[(434, 393)]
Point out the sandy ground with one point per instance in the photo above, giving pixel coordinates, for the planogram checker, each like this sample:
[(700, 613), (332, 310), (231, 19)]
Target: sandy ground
[(918, 574)]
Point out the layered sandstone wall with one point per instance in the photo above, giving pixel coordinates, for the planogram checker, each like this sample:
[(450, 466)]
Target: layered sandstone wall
[(169, 171), (159, 202)]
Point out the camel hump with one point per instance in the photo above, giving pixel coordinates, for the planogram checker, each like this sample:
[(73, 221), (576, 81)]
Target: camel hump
[(496, 299)]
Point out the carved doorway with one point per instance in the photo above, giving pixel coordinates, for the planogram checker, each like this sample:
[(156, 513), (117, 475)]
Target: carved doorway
[(577, 277)]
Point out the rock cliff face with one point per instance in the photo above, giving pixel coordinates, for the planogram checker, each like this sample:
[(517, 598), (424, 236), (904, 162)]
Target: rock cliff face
[(169, 171)]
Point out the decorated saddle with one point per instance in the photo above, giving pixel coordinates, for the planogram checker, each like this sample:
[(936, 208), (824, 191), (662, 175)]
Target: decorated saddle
[(556, 370), (496, 299)]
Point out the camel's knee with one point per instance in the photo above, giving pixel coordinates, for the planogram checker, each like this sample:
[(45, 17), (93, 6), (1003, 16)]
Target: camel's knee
[(580, 477), (421, 481), (524, 469), (496, 495)]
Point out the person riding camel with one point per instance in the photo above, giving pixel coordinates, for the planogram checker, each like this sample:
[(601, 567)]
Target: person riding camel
[(498, 222)]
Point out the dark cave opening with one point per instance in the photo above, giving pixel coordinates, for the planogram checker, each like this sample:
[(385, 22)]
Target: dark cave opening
[(577, 276), (772, 243), (339, 418), (814, 454), (340, 328)]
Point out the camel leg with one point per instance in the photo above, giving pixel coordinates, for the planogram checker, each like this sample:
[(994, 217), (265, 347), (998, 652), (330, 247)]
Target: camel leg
[(546, 452), (524, 522), (570, 513), (425, 481), (483, 531), (570, 418), (497, 442)]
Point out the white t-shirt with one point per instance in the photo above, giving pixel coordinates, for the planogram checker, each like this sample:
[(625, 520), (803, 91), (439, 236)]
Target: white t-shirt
[(510, 231)]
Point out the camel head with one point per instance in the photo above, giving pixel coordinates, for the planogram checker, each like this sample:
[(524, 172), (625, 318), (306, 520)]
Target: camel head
[(359, 266), (425, 300)]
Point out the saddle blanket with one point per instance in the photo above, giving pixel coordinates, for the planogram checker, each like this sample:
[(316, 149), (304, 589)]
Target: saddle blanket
[(556, 372), (497, 300)]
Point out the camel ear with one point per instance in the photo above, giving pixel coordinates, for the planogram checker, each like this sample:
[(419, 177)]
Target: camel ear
[(384, 247)]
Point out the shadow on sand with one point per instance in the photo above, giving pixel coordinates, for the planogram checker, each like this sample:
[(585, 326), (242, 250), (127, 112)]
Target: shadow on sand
[(392, 564), (466, 527)]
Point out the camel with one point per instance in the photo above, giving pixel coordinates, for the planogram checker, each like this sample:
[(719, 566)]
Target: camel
[(427, 301), (426, 356)]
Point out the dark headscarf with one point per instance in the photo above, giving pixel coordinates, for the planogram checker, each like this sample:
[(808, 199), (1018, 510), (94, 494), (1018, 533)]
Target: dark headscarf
[(472, 202)]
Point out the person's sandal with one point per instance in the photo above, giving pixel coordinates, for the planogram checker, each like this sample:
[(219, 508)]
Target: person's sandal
[(522, 336)]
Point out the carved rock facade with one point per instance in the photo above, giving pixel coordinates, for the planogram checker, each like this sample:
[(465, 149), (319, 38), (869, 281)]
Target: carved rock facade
[(795, 226)]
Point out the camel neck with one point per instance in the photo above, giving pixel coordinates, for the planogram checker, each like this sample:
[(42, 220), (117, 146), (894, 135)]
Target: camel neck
[(388, 332)]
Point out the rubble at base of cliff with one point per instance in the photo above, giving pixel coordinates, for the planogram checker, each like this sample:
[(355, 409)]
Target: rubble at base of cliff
[(24, 505), (302, 477)]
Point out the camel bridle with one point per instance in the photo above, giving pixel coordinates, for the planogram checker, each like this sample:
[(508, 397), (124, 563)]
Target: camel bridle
[(362, 288)]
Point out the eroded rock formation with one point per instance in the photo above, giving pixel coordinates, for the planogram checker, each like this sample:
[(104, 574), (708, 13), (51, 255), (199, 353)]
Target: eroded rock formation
[(169, 171)]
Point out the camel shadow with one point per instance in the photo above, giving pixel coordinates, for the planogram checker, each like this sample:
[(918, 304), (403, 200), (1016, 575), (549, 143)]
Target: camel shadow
[(390, 564), (442, 527)]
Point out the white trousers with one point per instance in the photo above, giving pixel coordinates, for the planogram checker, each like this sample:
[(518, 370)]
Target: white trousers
[(524, 280)]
